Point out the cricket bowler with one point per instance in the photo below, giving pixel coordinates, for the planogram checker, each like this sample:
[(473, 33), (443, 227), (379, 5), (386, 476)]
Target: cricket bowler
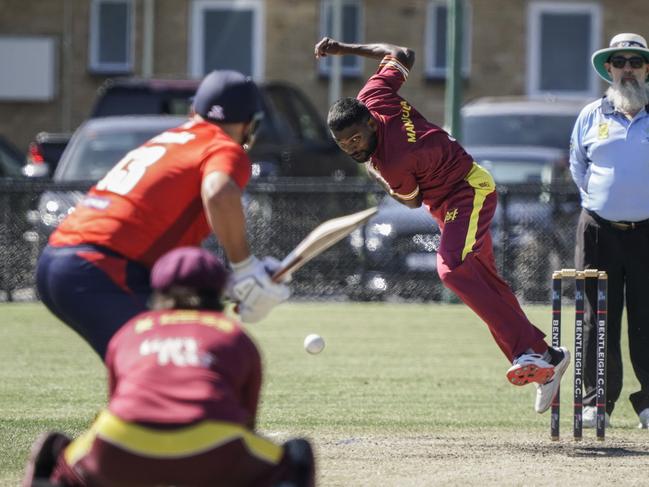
[(418, 163)]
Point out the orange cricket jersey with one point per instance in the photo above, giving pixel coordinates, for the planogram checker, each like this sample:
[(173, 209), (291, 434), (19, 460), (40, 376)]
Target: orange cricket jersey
[(150, 202)]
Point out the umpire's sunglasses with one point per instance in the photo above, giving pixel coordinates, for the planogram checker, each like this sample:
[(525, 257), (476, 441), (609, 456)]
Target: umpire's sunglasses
[(619, 62)]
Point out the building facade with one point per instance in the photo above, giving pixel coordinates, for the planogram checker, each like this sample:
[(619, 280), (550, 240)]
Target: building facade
[(54, 54)]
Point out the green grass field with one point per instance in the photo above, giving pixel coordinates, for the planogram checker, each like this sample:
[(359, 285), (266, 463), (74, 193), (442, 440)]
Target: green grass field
[(403, 394)]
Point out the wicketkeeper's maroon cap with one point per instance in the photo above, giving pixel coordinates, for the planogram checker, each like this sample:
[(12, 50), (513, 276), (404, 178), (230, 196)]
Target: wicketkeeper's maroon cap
[(189, 267)]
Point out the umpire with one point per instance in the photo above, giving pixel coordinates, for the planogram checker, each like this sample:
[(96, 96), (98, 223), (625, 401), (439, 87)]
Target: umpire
[(609, 161)]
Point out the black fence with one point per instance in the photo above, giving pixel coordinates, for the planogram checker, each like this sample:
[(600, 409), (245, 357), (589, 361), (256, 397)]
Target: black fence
[(391, 258)]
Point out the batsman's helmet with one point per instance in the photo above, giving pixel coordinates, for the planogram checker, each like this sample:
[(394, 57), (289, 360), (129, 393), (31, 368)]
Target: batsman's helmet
[(226, 96)]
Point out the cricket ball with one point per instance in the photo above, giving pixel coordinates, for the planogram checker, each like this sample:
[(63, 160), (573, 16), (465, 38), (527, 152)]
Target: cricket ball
[(314, 343)]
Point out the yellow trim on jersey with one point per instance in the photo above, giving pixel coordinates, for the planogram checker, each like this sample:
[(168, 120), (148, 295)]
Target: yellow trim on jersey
[(183, 442), (409, 196), (483, 184), (393, 62), (79, 447)]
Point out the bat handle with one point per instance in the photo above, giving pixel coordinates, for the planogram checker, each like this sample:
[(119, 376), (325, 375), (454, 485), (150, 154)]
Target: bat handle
[(281, 276)]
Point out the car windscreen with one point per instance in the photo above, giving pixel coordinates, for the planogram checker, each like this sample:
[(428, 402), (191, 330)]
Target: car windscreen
[(142, 103), (518, 170), (95, 153), (518, 129), (296, 118)]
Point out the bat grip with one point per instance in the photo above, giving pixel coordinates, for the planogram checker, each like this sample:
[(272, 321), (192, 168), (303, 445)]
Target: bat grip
[(284, 273)]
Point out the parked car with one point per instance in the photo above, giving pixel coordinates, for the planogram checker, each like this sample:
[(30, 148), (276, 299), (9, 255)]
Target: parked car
[(523, 129), (519, 121), (524, 144), (135, 96), (44, 154), (96, 146), (292, 141), (545, 168)]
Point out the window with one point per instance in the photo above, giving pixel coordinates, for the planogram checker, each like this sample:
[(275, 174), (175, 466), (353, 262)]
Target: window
[(30, 81), (227, 35), (352, 66), (111, 36), (435, 40), (562, 38)]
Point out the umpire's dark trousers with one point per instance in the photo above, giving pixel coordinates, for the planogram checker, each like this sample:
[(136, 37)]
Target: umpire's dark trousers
[(623, 252)]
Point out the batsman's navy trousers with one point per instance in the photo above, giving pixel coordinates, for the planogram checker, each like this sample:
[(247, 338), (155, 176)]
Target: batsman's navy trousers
[(92, 290), (466, 264)]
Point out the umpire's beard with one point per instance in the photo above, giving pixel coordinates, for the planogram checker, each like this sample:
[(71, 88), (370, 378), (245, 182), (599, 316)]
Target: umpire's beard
[(628, 95)]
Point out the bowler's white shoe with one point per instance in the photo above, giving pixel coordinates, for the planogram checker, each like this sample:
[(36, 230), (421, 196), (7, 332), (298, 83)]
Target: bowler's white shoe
[(530, 367), (644, 419), (545, 392), (589, 417)]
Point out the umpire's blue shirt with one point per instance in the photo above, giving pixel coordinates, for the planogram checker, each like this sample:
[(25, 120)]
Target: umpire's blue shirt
[(609, 162)]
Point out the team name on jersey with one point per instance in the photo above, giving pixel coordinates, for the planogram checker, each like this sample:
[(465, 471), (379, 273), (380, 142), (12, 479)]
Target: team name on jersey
[(180, 351), (173, 138), (183, 317), (407, 122)]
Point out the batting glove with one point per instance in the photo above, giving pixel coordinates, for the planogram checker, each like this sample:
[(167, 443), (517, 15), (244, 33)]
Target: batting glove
[(251, 286), (272, 265)]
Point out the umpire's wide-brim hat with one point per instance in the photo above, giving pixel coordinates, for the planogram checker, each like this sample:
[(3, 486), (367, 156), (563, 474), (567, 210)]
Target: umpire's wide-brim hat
[(621, 42)]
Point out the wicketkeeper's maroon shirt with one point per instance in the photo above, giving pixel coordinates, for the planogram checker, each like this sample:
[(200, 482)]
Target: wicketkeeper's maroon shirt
[(179, 367)]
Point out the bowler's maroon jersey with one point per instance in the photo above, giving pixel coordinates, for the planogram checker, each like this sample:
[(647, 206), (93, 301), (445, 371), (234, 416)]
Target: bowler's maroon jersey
[(413, 155), (183, 366)]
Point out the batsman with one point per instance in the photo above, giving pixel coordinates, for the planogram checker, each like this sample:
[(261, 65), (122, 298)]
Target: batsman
[(418, 163), (173, 191)]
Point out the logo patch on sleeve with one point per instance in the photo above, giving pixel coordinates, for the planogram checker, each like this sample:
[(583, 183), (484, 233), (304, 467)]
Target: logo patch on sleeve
[(602, 131)]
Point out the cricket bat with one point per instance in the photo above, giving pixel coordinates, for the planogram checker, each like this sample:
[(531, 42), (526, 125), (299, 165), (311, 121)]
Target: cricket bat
[(320, 239)]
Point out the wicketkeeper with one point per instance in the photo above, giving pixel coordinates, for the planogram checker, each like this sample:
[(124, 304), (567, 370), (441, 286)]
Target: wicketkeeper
[(184, 384)]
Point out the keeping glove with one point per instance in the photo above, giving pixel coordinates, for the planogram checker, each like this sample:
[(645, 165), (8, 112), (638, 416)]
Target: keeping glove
[(251, 286)]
